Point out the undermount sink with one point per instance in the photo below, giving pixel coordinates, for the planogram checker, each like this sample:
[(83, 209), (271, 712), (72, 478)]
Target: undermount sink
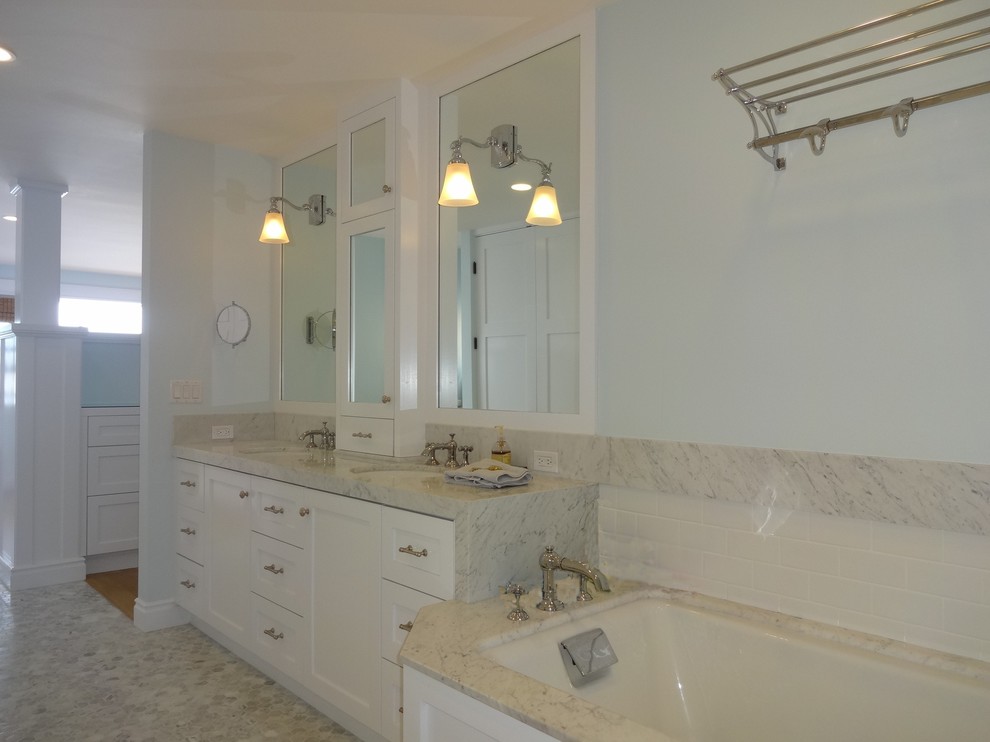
[(398, 474)]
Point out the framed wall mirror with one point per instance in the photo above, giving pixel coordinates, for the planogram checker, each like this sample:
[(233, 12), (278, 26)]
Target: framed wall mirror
[(510, 293), (309, 276)]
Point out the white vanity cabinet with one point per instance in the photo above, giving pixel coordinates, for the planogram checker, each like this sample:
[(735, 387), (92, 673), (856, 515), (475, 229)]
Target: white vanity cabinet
[(227, 577), (110, 485), (281, 575), (378, 272), (190, 534), (319, 586), (417, 558), (343, 664)]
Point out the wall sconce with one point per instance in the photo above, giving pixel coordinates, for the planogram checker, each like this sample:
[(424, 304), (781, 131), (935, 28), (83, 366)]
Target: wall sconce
[(458, 190), (273, 230)]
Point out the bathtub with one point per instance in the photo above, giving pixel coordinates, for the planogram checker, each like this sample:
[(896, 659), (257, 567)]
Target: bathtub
[(708, 676), (692, 669)]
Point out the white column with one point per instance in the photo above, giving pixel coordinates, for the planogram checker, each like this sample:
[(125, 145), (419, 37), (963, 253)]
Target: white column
[(40, 397), (39, 252)]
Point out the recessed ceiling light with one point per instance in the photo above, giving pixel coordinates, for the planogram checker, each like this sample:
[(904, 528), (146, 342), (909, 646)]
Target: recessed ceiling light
[(10, 218), (521, 187), (6, 55)]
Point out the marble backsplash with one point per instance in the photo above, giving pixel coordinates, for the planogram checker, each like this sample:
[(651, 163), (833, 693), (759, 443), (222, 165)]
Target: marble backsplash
[(930, 494), (939, 495)]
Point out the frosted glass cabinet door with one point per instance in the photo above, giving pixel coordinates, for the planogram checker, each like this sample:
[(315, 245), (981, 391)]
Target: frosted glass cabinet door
[(367, 329), (367, 167)]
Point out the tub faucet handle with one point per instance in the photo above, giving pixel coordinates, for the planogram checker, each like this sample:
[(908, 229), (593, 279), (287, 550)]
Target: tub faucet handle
[(518, 613)]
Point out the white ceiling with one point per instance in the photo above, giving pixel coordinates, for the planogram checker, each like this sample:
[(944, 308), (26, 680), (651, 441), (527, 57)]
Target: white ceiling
[(92, 75)]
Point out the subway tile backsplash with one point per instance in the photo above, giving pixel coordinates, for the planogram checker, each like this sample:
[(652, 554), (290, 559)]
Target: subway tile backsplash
[(912, 584)]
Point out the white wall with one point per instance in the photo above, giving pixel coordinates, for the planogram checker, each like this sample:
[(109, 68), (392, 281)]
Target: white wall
[(837, 306), (203, 207)]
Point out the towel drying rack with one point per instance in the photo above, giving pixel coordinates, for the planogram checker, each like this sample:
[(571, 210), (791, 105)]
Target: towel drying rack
[(769, 96)]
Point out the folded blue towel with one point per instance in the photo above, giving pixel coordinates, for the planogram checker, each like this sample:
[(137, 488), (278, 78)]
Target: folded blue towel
[(489, 473)]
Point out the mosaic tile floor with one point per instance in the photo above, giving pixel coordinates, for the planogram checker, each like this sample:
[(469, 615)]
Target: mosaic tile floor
[(72, 667)]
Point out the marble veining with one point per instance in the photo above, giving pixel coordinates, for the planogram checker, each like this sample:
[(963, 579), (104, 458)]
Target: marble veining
[(498, 533), (447, 641), (941, 495)]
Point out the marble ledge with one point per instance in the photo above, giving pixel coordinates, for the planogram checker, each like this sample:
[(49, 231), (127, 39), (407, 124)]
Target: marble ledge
[(498, 533), (941, 495), (447, 641)]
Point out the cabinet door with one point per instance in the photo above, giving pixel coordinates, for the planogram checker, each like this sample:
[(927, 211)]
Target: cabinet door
[(228, 561), (367, 163), (344, 639), (111, 523), (366, 320)]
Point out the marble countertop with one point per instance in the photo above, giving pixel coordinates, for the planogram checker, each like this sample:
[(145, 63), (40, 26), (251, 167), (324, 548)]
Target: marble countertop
[(512, 522), (447, 641)]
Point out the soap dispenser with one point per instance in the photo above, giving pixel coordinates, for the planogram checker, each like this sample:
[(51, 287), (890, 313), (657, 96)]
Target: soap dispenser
[(501, 450)]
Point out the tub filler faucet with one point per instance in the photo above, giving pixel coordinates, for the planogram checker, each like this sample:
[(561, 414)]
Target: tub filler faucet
[(550, 562)]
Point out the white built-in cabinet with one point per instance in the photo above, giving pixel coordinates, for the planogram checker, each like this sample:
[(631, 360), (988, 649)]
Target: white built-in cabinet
[(110, 486), (377, 274), (319, 586)]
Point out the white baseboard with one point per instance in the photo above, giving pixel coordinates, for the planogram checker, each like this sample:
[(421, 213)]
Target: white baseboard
[(158, 614), (111, 562), (42, 575)]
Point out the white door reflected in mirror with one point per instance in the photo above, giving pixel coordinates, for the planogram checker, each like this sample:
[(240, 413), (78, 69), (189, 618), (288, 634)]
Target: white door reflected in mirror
[(509, 327)]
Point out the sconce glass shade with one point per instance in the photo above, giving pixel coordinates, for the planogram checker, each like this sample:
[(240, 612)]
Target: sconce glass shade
[(273, 231), (458, 190), (544, 211)]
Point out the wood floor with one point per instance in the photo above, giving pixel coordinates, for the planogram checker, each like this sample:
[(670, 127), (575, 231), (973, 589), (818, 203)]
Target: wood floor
[(119, 588)]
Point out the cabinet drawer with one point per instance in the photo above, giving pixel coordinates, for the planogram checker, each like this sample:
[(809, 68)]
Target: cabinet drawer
[(190, 538), (190, 591), (188, 483), (111, 470), (278, 512), (365, 434), (280, 572), (111, 523), (113, 430), (391, 701), (400, 604), (278, 636), (418, 551)]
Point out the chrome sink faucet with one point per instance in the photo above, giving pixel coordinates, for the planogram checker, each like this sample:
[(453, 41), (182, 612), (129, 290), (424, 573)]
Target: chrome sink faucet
[(451, 448), (328, 438), (550, 562)]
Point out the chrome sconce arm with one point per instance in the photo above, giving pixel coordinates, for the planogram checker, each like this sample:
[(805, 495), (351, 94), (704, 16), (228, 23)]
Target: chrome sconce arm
[(273, 231), (458, 189)]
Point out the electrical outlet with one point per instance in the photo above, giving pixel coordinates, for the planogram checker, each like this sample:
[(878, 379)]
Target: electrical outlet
[(223, 432), (545, 461)]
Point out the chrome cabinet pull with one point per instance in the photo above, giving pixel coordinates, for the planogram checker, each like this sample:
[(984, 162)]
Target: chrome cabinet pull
[(407, 626), (273, 635), (188, 584), (188, 531), (303, 512), (242, 494), (360, 435), (274, 570), (274, 509), (386, 399), (410, 550), (188, 483)]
